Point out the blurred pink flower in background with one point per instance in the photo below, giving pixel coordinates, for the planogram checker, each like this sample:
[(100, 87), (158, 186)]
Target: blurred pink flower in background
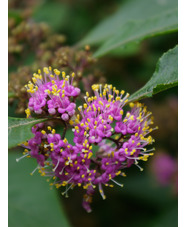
[(164, 168)]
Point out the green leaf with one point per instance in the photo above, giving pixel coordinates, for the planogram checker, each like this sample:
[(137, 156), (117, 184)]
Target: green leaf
[(139, 30), (134, 21), (125, 51), (19, 130), (129, 10), (164, 77), (31, 202)]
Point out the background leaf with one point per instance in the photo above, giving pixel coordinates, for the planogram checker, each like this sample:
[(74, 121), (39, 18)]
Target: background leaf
[(129, 16), (31, 202), (164, 77), (127, 12), (139, 30), (19, 130)]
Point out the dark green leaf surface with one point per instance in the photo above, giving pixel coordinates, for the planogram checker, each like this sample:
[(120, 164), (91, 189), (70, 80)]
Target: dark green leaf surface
[(19, 130), (126, 50), (164, 77), (130, 10), (31, 202), (53, 13), (139, 30)]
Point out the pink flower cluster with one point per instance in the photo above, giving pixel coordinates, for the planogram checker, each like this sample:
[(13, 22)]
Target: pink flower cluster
[(119, 137), (52, 95)]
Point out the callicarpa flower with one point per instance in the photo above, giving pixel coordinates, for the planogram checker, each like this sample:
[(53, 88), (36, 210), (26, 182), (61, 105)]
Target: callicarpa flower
[(52, 95), (118, 137)]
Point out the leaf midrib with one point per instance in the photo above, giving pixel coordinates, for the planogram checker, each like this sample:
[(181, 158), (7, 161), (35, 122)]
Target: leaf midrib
[(26, 123)]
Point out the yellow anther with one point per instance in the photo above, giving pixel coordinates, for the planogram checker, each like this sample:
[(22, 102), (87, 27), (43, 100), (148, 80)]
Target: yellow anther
[(89, 99), (131, 104), (27, 111), (117, 92), (90, 155), (43, 132), (104, 93), (71, 122), (34, 79), (63, 74), (95, 87), (82, 124), (76, 127), (57, 72), (136, 134), (118, 173), (45, 70), (110, 118), (65, 140), (122, 92), (85, 105), (128, 114), (110, 86), (100, 102), (121, 112), (47, 91)]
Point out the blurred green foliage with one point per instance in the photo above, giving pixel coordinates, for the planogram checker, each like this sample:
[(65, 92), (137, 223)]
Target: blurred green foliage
[(31, 202)]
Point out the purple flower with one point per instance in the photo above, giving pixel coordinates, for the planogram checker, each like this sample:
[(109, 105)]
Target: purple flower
[(107, 139), (50, 94)]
